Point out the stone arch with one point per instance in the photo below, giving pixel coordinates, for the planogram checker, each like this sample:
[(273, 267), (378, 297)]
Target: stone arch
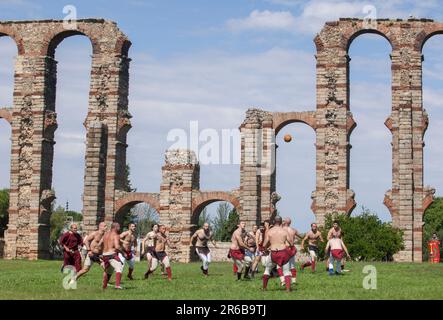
[(124, 204), (6, 31), (205, 198), (6, 114), (281, 119), (427, 33), (56, 37), (360, 32)]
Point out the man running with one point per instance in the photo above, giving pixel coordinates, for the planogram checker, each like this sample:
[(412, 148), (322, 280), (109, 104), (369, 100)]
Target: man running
[(202, 236), (292, 250), (71, 242), (160, 242), (335, 231), (129, 242), (280, 243), (237, 251), (148, 245), (336, 249), (313, 236), (94, 246), (111, 259)]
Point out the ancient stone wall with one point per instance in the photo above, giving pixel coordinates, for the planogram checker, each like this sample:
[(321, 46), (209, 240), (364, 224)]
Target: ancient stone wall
[(33, 120)]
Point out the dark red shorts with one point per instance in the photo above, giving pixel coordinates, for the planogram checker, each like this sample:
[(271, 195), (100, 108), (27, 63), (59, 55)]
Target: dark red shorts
[(292, 251), (128, 254), (237, 254), (280, 257), (337, 254)]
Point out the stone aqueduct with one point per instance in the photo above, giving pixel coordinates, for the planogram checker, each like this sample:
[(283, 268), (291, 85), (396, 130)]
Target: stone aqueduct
[(180, 200)]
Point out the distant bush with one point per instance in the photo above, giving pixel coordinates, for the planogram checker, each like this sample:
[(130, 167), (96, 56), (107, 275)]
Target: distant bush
[(366, 236)]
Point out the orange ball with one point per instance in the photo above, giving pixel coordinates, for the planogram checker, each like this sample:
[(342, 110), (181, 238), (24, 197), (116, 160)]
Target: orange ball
[(287, 138)]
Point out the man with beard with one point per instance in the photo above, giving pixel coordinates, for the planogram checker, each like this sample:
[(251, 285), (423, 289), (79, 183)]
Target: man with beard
[(313, 236), (237, 251), (129, 241), (202, 236)]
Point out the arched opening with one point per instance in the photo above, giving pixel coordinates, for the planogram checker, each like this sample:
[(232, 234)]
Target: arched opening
[(432, 152), (73, 64), (370, 162), (295, 174), (8, 52)]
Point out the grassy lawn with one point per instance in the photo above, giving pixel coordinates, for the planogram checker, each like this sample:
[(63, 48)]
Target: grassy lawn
[(43, 280)]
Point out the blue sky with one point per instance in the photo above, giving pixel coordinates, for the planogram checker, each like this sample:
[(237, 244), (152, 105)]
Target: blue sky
[(208, 61)]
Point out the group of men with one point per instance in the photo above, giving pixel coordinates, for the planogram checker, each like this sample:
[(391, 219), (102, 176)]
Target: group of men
[(111, 250), (272, 245)]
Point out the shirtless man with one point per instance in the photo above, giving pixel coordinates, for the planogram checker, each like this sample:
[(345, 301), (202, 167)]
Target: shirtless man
[(237, 251), (336, 249), (202, 236), (334, 231), (129, 241), (111, 259), (94, 246), (292, 250), (313, 236), (258, 241), (160, 242), (148, 247), (280, 243), (250, 240)]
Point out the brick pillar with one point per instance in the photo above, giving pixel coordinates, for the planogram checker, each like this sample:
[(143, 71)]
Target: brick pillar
[(179, 175), (407, 123), (257, 169), (95, 171), (108, 104), (33, 125), (332, 194)]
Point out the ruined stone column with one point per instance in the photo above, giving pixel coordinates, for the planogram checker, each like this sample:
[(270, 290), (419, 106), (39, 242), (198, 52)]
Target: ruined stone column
[(332, 193), (106, 157), (179, 175), (407, 124), (257, 169), (33, 126)]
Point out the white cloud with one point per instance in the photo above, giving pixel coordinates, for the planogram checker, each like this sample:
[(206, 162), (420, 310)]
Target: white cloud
[(263, 20)]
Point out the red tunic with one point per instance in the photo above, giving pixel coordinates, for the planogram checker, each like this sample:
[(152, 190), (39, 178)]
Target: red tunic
[(72, 241)]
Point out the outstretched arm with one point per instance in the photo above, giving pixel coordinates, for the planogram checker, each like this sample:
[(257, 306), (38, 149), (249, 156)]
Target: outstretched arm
[(346, 249)]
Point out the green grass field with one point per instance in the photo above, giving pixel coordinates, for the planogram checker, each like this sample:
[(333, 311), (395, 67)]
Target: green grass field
[(43, 280)]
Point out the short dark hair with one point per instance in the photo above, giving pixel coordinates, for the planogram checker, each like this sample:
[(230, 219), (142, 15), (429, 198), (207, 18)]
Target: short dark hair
[(337, 222), (278, 219)]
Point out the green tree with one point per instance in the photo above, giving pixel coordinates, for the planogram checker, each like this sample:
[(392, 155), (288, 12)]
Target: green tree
[(144, 216), (229, 226), (4, 206), (433, 219), (221, 219), (203, 218), (127, 183), (366, 236)]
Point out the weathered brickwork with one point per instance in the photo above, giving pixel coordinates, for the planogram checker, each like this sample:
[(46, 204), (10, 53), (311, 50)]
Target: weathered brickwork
[(33, 120)]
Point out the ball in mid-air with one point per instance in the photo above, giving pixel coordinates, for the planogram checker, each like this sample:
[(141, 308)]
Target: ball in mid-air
[(287, 138)]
